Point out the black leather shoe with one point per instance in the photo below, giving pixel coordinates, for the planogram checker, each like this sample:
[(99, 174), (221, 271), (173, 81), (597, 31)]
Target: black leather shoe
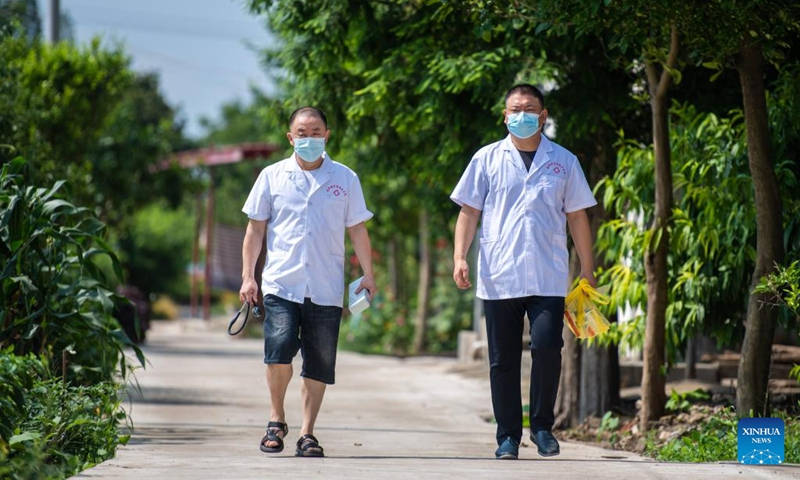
[(508, 450), (547, 443)]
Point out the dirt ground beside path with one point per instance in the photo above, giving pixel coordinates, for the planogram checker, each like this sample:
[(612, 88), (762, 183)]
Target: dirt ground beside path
[(204, 405)]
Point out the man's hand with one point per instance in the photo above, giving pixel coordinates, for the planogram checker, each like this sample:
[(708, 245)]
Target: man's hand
[(249, 291), (589, 276), (368, 283), (461, 274)]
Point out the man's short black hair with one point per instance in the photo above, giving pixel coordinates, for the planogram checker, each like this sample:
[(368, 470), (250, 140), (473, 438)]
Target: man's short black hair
[(313, 111), (526, 89)]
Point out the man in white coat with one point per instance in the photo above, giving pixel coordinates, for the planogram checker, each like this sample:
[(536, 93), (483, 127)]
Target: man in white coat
[(304, 204), (525, 189)]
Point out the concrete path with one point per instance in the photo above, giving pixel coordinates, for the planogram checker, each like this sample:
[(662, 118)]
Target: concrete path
[(204, 405)]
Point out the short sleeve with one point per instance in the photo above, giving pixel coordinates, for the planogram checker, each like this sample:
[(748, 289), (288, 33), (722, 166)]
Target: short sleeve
[(356, 205), (258, 205), (579, 195), (472, 188)]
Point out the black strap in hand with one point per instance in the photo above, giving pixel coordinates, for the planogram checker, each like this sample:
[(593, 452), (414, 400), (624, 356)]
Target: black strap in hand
[(246, 309)]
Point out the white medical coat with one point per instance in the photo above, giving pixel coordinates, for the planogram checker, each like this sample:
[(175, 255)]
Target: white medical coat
[(523, 238), (305, 228)]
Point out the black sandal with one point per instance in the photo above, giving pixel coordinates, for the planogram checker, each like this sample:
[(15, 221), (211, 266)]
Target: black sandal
[(272, 436), (308, 446)]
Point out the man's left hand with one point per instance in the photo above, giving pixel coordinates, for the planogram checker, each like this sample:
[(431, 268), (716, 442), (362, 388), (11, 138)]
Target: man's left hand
[(589, 276)]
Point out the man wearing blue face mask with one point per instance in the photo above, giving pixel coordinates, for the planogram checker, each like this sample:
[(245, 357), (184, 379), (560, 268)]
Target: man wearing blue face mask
[(304, 204), (525, 189)]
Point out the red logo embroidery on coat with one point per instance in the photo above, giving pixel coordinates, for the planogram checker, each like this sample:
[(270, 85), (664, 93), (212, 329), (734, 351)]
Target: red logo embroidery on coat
[(556, 168), (336, 191)]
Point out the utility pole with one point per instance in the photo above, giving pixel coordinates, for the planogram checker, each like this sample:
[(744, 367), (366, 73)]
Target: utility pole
[(55, 20)]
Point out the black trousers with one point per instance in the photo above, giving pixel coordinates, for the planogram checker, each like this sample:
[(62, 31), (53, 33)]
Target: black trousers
[(504, 324)]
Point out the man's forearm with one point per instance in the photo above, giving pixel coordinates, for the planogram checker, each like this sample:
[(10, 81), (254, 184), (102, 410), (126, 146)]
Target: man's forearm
[(466, 224), (582, 237), (251, 248), (362, 246)]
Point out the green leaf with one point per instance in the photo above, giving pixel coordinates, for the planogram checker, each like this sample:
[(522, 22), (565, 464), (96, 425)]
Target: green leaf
[(52, 205), (56, 187), (541, 28), (24, 437), (91, 225), (26, 284)]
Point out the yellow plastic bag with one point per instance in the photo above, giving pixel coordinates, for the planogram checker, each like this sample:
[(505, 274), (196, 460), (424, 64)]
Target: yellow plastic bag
[(581, 313)]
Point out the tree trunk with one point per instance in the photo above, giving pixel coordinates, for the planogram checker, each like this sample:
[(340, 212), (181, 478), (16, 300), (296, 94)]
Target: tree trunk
[(655, 261), (599, 393), (754, 364), (690, 372), (655, 264), (424, 285)]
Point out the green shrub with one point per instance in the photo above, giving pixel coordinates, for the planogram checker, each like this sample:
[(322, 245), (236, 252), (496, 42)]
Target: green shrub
[(609, 423), (450, 311), (382, 328), (55, 298), (680, 402), (716, 440), (62, 354), (157, 248), (55, 99), (792, 437), (784, 286), (52, 430)]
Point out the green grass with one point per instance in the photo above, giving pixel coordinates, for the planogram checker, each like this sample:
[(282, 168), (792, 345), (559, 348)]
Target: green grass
[(716, 440)]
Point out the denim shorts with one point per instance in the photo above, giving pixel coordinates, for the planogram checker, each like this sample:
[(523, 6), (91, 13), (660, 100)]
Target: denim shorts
[(310, 328)]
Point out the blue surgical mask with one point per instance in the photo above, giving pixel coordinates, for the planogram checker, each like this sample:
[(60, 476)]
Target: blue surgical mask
[(523, 124), (309, 149)]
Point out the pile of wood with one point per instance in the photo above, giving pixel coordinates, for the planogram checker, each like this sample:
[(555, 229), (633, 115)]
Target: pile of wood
[(784, 358)]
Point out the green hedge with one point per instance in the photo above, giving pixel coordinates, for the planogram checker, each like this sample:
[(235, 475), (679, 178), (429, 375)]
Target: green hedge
[(62, 354), (52, 430)]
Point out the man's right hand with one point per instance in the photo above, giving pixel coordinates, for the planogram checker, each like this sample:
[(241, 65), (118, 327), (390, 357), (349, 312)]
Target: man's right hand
[(461, 274), (249, 291)]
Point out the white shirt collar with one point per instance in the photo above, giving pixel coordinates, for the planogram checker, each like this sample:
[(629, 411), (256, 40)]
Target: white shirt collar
[(545, 144), (293, 166)]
